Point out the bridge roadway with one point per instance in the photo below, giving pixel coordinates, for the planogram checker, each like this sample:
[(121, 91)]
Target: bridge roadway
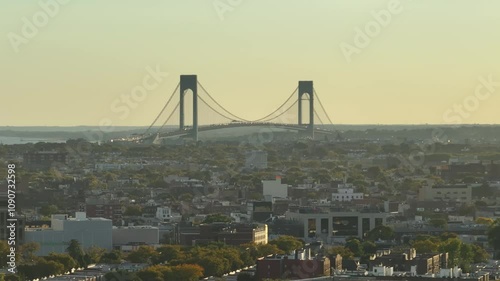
[(204, 128)]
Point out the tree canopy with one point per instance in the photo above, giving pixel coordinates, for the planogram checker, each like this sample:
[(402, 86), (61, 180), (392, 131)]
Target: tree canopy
[(494, 236), (287, 243)]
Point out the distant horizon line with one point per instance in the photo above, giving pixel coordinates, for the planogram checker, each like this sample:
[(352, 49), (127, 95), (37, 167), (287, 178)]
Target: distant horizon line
[(339, 124)]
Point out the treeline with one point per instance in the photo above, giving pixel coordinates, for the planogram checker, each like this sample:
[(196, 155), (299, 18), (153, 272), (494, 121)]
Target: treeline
[(32, 267), (459, 253), (215, 258), (167, 262)]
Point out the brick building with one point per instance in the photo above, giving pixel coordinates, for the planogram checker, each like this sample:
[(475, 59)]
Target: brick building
[(101, 208), (422, 264), (299, 265)]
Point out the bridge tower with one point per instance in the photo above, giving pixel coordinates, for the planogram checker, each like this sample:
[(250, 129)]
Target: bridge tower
[(189, 82), (306, 88)]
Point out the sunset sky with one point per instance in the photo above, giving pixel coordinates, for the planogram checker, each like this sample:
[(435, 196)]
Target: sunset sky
[(424, 61)]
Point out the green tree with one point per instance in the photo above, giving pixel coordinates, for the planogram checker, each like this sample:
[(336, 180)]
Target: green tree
[(4, 251), (76, 252), (150, 274), (143, 254), (133, 210), (494, 236), (479, 254), (466, 257), (42, 268), (287, 243), (448, 235), (260, 250), (374, 172), (214, 265), (345, 252), (438, 222), (95, 253), (110, 176), (66, 260), (425, 246), (113, 257), (92, 182), (355, 246), (369, 247), (422, 237), (486, 221), (12, 277), (452, 246), (27, 252), (217, 218), (187, 272), (380, 232), (268, 249), (186, 197), (48, 210), (167, 253)]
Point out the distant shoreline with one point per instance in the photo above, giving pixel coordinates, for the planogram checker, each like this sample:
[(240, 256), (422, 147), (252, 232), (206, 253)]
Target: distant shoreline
[(27, 134)]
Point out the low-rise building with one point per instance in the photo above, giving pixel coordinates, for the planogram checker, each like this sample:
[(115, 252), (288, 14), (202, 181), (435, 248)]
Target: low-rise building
[(231, 234), (260, 211), (409, 261), (449, 192), (346, 194), (88, 232), (329, 226), (103, 208), (274, 189), (299, 265), (135, 235), (165, 214)]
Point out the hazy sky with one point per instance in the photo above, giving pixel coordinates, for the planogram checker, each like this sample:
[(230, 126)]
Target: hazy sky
[(424, 60)]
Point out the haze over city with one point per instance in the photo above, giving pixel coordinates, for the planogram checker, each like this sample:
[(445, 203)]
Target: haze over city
[(420, 64), (249, 140)]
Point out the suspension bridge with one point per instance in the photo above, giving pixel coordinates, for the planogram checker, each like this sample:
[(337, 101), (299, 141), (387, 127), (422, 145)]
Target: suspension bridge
[(203, 107)]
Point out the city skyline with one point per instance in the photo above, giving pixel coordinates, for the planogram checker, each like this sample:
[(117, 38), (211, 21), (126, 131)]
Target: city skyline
[(371, 63)]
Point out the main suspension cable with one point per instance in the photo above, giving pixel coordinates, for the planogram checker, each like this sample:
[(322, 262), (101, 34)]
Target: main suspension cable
[(165, 107)]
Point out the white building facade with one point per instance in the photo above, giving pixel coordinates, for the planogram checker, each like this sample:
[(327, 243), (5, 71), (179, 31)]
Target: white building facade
[(274, 189), (166, 214), (346, 192), (88, 232)]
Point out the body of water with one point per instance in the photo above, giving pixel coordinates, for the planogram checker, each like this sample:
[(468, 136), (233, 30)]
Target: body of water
[(18, 140)]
